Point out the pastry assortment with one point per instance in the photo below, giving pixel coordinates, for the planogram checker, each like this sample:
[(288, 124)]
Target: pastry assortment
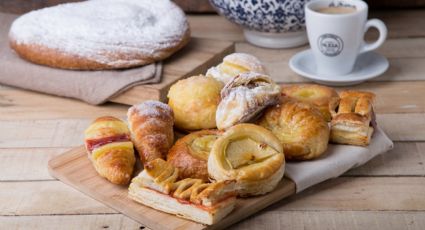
[(242, 129), (100, 34)]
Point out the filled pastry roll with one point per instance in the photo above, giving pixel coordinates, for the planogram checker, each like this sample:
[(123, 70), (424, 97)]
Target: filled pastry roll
[(244, 98), (108, 144)]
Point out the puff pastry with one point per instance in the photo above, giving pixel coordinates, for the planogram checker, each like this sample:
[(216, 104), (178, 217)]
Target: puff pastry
[(353, 118), (249, 154), (190, 154), (194, 101), (244, 97), (300, 128), (318, 95), (151, 126), (235, 64), (158, 187), (108, 145)]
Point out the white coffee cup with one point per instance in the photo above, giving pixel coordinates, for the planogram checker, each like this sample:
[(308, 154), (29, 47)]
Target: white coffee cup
[(337, 39)]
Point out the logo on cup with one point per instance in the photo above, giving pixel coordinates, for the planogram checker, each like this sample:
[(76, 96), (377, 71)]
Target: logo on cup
[(330, 45)]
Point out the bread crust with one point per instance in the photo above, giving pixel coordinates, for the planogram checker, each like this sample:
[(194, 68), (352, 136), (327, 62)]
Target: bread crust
[(190, 163)]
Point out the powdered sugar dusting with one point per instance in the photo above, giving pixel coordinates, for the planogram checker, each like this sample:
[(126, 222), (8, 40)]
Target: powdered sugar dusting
[(152, 108), (94, 28)]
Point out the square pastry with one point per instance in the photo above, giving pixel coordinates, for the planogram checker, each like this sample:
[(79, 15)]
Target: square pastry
[(353, 118)]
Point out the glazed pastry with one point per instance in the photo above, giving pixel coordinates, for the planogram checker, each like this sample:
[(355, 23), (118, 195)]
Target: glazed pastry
[(190, 154), (353, 118), (158, 187), (235, 64), (249, 154), (320, 96), (100, 34), (244, 97), (194, 101), (108, 145), (300, 128), (151, 127)]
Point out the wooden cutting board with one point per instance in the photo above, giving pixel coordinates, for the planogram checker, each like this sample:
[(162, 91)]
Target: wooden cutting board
[(75, 169), (196, 58)]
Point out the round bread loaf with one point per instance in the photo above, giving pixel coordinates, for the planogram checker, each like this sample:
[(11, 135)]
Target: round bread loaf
[(100, 34)]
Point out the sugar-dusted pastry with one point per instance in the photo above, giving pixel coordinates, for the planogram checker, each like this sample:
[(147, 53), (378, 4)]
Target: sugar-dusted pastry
[(235, 64), (100, 34), (194, 101), (353, 118), (300, 128), (190, 153), (244, 97), (318, 95), (158, 187), (249, 154), (110, 149), (151, 127)]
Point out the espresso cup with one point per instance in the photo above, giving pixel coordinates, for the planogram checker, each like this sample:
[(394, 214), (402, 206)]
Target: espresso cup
[(335, 30)]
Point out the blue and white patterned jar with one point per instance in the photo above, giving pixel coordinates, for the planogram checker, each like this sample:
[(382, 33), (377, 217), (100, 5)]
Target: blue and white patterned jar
[(267, 23)]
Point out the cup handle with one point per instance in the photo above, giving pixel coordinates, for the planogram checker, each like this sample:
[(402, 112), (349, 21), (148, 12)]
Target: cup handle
[(378, 24)]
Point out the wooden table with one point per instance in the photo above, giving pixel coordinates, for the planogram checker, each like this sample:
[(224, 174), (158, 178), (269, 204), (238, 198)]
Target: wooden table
[(386, 193)]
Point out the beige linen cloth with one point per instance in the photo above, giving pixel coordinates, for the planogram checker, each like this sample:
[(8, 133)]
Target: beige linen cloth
[(94, 87), (337, 160)]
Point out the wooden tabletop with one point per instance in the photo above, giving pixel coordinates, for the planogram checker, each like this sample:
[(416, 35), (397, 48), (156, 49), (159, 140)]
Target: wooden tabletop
[(386, 193)]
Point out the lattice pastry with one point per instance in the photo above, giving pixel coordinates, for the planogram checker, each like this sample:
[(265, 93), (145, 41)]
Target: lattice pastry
[(157, 187), (353, 118)]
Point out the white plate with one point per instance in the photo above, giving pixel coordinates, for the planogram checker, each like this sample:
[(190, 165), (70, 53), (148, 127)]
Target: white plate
[(368, 65)]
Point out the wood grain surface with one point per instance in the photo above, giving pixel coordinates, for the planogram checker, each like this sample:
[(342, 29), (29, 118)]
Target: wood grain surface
[(386, 193)]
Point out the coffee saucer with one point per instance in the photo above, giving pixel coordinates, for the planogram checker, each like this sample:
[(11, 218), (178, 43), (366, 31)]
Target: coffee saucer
[(368, 65)]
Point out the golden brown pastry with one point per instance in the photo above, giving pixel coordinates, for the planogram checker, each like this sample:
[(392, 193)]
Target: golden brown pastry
[(108, 145), (100, 34), (235, 64), (353, 118), (151, 127), (190, 154), (300, 128), (249, 154), (194, 101), (244, 98), (158, 187), (318, 95)]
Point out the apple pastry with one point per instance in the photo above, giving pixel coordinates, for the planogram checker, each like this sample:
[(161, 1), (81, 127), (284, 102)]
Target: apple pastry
[(353, 118), (300, 128), (235, 64), (158, 187), (249, 154), (318, 95), (244, 97), (190, 154)]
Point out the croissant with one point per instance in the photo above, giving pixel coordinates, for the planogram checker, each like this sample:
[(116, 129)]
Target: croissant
[(108, 144), (158, 187), (151, 126)]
